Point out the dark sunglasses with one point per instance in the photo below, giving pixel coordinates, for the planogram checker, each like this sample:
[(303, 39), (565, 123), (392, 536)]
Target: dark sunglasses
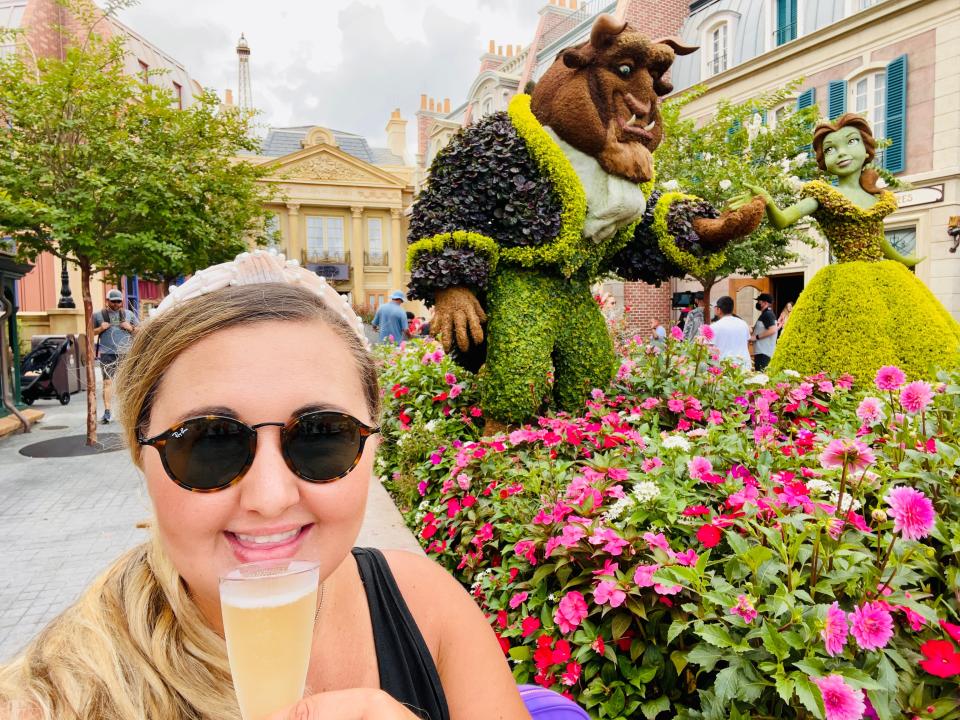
[(210, 453)]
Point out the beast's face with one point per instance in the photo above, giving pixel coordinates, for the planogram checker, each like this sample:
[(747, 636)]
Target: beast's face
[(602, 96)]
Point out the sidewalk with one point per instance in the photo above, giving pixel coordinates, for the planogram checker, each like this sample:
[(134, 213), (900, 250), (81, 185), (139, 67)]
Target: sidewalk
[(63, 520)]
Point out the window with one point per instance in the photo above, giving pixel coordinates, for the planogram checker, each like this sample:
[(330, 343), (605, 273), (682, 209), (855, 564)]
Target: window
[(903, 240), (864, 4), (786, 21), (271, 229), (178, 95), (325, 238), (778, 115), (375, 300), (375, 241), (868, 97), (488, 106), (144, 71), (717, 49)]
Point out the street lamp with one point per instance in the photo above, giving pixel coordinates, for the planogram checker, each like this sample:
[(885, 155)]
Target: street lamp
[(66, 298)]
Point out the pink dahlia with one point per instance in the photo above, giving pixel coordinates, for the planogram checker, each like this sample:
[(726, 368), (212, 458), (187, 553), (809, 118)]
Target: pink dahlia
[(854, 453), (744, 608), (571, 612), (835, 630), (698, 467), (676, 333), (912, 511), (840, 701), (916, 397), (889, 377), (870, 410), (871, 625), (707, 333)]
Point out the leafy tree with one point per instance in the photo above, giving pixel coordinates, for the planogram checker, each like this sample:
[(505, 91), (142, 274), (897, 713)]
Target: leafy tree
[(741, 142), (100, 168)]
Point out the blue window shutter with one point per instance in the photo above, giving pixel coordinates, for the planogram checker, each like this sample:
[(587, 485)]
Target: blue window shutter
[(786, 21), (807, 98), (837, 98), (895, 156), (733, 128), (763, 117)]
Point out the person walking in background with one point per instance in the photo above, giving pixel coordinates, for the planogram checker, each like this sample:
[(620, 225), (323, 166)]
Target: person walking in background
[(784, 316), (764, 332), (114, 328), (391, 319), (731, 334), (694, 318), (658, 332)]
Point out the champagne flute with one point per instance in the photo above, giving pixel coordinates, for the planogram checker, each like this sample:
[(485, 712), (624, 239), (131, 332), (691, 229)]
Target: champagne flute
[(268, 612)]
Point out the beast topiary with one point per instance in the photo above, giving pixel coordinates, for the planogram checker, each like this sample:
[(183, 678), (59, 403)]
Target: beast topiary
[(526, 208)]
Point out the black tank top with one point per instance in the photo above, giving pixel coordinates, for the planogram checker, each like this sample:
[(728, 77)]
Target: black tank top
[(407, 671)]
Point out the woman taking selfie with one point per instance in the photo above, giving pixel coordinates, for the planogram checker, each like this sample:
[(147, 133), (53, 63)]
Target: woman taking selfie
[(250, 403)]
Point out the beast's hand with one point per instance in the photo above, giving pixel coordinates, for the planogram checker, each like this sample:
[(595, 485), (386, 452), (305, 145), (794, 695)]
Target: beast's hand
[(716, 233), (457, 314)]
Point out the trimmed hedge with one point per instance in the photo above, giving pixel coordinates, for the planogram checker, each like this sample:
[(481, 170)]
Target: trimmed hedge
[(855, 317)]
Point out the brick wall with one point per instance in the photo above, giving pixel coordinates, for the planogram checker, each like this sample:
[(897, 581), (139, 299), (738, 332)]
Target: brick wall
[(43, 20), (646, 303)]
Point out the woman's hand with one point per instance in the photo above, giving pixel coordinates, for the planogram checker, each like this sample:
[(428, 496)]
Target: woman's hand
[(356, 704)]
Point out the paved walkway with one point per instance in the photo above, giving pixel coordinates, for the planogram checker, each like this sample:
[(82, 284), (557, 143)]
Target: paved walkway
[(63, 520)]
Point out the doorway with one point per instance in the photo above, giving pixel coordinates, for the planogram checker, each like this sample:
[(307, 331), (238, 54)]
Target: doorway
[(785, 289)]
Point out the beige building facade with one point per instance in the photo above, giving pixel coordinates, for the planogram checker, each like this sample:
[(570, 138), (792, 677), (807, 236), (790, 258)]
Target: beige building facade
[(341, 207), (867, 56)]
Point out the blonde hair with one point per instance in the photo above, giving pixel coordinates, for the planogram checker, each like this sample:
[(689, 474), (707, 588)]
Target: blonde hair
[(135, 645), (868, 176)]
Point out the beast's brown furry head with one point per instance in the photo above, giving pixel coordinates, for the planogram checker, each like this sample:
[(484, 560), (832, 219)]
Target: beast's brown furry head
[(601, 97)]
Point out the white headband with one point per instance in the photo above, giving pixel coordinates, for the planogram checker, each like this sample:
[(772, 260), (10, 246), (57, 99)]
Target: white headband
[(262, 266)]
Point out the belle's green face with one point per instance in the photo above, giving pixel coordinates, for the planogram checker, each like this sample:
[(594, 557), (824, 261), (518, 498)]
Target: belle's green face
[(844, 152)]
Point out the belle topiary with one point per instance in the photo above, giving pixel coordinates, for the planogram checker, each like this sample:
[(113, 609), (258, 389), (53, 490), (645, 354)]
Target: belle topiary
[(867, 310), (526, 208)]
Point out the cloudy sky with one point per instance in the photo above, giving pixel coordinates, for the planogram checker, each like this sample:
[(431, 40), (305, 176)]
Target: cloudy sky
[(343, 64)]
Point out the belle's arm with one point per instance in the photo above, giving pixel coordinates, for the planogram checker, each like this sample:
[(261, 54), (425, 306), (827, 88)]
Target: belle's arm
[(781, 219), (891, 254)]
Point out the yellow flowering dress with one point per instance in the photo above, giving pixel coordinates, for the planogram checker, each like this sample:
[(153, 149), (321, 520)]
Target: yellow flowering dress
[(864, 311)]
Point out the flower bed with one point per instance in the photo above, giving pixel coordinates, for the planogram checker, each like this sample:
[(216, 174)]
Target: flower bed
[(700, 543)]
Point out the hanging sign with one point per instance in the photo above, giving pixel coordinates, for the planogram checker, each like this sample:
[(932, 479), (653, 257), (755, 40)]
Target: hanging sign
[(920, 196)]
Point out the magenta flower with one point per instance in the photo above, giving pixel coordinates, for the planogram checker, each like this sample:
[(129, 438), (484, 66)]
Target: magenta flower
[(571, 534), (676, 333), (706, 332), (870, 410), (643, 575), (518, 599), (840, 701), (912, 512), (916, 397), (687, 557), (698, 467), (744, 608), (889, 377), (835, 630), (854, 453), (607, 592), (571, 612), (871, 625)]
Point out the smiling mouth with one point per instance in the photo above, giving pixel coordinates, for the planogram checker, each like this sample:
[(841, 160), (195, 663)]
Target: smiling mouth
[(844, 163), (272, 546)]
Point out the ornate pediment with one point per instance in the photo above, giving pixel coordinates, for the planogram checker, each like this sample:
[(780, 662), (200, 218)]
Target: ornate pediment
[(325, 164)]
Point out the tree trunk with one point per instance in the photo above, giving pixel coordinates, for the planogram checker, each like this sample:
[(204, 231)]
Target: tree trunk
[(85, 275), (708, 284)]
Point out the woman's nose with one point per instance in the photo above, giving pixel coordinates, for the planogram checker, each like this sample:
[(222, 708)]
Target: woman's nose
[(269, 486)]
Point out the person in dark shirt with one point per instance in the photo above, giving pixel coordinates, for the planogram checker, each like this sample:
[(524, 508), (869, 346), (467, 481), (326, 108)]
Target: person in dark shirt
[(764, 332)]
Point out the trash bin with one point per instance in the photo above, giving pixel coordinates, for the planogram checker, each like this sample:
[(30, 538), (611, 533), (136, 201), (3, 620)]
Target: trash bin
[(51, 369)]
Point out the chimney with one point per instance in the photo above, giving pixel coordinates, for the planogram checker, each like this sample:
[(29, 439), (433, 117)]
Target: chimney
[(492, 47), (432, 105), (573, 4), (500, 50), (423, 101), (228, 98), (509, 51), (397, 133), (446, 106)]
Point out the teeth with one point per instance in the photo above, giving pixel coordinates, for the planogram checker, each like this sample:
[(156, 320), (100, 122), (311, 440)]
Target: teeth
[(649, 127), (632, 120), (264, 539)]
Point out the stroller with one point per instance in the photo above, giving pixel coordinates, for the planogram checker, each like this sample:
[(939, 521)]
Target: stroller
[(50, 370)]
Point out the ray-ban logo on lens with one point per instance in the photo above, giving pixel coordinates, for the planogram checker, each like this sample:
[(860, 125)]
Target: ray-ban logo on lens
[(180, 433)]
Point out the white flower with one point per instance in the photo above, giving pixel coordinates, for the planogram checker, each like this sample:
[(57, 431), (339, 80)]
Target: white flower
[(753, 126), (795, 183), (849, 503), (819, 486), (618, 508), (707, 157), (401, 439), (881, 183), (676, 442), (725, 185), (646, 491), (785, 165), (791, 373), (758, 379), (800, 159), (671, 185), (764, 129), (431, 426)]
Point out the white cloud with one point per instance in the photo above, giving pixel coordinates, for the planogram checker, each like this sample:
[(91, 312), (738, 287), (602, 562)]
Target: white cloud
[(345, 64)]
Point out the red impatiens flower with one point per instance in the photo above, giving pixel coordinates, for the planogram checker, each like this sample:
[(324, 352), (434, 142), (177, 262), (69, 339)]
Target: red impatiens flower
[(942, 659), (709, 535)]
